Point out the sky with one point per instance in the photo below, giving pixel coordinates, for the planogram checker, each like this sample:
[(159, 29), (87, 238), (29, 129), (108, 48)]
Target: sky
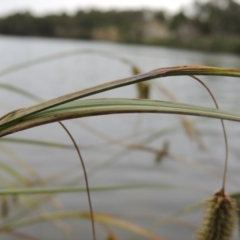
[(41, 7)]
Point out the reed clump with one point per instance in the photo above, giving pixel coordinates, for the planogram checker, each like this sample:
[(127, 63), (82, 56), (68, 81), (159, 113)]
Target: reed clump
[(220, 218)]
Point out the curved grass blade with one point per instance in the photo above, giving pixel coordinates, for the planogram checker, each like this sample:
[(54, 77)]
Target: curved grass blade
[(157, 73), (51, 57), (84, 108), (24, 191), (35, 142)]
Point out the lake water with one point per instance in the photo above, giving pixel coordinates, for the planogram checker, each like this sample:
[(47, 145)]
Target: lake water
[(193, 173)]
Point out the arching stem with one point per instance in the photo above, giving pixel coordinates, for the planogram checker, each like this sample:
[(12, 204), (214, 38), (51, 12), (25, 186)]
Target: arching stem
[(224, 133), (85, 177)]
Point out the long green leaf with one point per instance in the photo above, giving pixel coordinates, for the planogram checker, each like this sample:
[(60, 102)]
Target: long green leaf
[(35, 142), (157, 73), (84, 108), (17, 191)]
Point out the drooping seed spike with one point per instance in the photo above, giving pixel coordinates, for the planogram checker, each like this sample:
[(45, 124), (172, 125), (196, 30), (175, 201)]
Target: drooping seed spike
[(220, 218)]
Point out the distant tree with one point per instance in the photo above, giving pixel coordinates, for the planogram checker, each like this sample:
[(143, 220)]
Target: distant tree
[(160, 16), (212, 20), (18, 24), (178, 20)]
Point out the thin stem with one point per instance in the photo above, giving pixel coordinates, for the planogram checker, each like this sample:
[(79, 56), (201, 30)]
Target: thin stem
[(85, 177), (224, 133)]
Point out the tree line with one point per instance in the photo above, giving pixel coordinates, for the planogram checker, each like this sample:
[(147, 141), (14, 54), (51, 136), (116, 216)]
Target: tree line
[(208, 25)]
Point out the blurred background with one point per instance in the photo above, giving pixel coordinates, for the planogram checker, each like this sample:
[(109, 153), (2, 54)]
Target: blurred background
[(149, 172), (205, 25)]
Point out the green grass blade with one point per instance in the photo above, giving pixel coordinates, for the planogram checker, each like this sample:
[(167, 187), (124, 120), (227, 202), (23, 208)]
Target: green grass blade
[(95, 107), (51, 57), (35, 142), (157, 73), (17, 191)]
